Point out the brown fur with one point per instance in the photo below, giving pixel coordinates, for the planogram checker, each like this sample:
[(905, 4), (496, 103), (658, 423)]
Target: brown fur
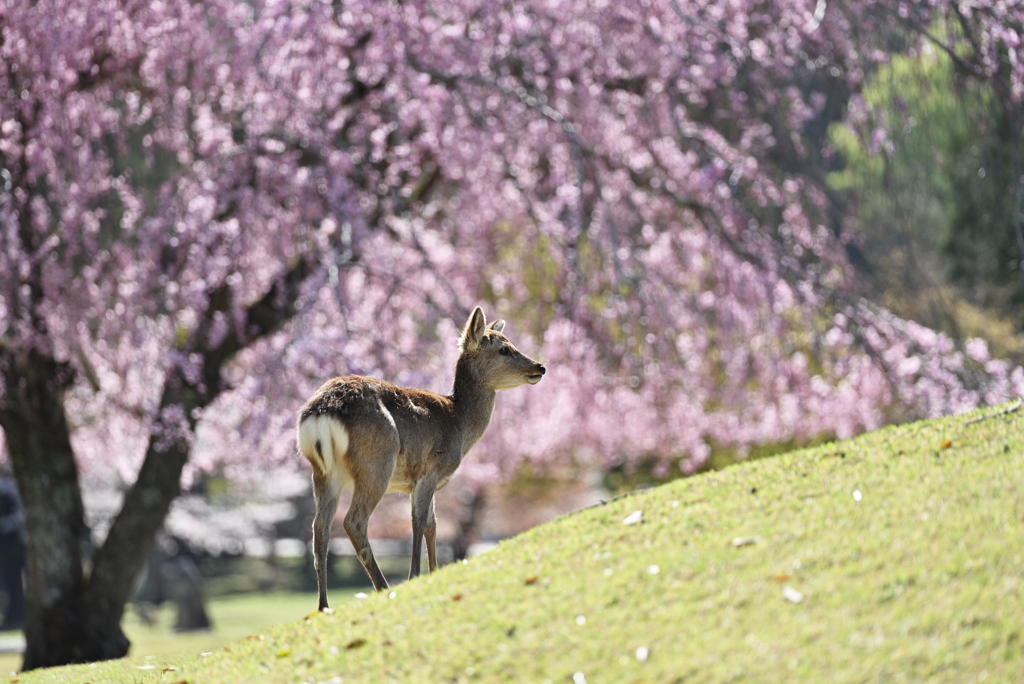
[(381, 438)]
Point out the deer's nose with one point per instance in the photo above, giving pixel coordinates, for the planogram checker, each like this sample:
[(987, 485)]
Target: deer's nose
[(542, 369)]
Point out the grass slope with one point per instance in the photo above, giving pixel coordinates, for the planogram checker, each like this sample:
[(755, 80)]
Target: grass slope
[(919, 577), (153, 647)]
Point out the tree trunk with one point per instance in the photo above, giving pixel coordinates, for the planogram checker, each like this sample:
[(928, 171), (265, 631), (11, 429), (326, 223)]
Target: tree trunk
[(57, 628), (72, 616)]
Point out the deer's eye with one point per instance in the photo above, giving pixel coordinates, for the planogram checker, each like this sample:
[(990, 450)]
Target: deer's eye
[(504, 351)]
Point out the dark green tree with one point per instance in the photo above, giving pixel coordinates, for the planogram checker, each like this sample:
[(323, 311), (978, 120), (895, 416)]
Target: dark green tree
[(935, 175)]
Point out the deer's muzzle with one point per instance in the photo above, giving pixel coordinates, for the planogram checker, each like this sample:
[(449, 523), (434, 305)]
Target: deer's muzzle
[(538, 372)]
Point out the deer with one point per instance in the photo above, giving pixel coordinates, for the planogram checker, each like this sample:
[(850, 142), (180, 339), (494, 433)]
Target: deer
[(376, 437)]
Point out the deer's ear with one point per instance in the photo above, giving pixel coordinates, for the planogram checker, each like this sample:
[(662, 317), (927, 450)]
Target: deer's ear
[(498, 325), (474, 330)]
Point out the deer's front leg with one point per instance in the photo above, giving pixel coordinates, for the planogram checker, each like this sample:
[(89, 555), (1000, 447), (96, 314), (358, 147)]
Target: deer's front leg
[(430, 534), (422, 517)]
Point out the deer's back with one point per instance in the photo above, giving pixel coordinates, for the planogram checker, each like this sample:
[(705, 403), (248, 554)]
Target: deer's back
[(381, 418), (355, 395)]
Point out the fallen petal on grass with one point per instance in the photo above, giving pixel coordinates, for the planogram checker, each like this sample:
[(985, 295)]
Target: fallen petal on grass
[(791, 594), (744, 541), (641, 654), (634, 518)]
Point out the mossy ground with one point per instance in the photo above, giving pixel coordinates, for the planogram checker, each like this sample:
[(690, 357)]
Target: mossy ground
[(906, 546)]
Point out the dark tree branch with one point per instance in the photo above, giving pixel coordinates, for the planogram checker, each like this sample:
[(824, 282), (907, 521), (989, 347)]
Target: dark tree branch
[(147, 502)]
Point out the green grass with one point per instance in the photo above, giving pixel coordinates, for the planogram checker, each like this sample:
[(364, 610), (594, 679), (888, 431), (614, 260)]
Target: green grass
[(234, 617), (920, 579)]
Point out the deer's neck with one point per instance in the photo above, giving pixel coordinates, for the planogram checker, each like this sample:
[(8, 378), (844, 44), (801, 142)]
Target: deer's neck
[(473, 404)]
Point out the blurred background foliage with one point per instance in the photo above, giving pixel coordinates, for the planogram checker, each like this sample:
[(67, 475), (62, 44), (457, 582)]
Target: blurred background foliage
[(937, 201)]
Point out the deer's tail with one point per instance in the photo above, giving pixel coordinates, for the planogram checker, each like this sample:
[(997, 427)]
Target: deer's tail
[(323, 439)]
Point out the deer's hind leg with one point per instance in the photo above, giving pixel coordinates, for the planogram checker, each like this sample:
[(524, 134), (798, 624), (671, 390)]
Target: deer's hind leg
[(370, 479), (325, 494), (364, 500)]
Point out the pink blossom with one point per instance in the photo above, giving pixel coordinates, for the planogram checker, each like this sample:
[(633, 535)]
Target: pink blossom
[(606, 177)]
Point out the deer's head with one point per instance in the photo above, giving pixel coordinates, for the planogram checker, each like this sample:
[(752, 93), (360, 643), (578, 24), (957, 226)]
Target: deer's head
[(492, 359)]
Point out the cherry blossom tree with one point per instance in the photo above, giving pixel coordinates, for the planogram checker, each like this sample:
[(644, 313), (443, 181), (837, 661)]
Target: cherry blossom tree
[(151, 229), (207, 209), (661, 226)]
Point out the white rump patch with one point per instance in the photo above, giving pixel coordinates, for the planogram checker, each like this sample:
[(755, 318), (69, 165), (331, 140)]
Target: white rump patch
[(332, 436)]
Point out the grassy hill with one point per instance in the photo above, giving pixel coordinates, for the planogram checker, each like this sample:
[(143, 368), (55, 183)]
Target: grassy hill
[(896, 556)]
